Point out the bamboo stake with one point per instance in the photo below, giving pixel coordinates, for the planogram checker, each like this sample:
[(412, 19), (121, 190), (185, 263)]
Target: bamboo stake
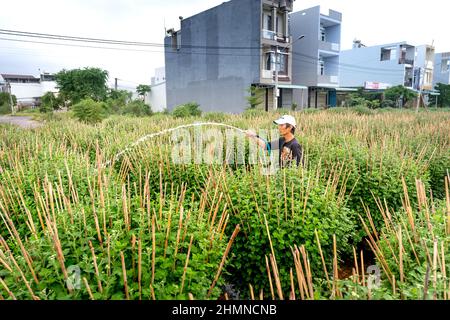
[(124, 271), (292, 295), (7, 289), (153, 257), (323, 259), (252, 294), (276, 277), (140, 267), (99, 283), (88, 288), (227, 250), (270, 279), (186, 264), (400, 244)]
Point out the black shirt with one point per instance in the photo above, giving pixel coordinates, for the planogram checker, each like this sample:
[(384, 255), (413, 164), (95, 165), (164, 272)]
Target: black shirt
[(289, 151)]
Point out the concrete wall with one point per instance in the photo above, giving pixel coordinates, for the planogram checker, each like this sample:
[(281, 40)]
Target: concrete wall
[(156, 98), (363, 64), (216, 78)]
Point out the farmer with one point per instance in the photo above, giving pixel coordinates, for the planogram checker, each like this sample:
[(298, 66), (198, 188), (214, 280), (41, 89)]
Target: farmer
[(290, 150)]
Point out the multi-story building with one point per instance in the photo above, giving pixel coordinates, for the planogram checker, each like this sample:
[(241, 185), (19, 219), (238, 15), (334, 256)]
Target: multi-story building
[(388, 65), (442, 68), (219, 54), (316, 57)]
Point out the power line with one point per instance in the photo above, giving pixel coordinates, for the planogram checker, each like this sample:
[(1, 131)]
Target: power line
[(120, 42)]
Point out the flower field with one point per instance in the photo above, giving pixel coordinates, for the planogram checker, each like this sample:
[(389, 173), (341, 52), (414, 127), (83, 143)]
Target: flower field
[(368, 217)]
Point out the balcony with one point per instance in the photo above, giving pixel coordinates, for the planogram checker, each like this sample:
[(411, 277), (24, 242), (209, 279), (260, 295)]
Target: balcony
[(273, 36), (328, 46), (406, 61), (267, 74), (328, 79), (268, 34)]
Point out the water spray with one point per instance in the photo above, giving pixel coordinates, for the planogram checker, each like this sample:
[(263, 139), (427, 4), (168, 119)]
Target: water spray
[(153, 135)]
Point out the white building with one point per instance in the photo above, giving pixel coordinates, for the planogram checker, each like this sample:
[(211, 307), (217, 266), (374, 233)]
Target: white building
[(157, 96), (29, 89)]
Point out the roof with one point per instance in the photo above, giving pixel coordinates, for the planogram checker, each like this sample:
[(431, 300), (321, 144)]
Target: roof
[(18, 76), (291, 86)]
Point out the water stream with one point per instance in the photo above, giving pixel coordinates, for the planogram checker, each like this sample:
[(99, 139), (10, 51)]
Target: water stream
[(152, 135)]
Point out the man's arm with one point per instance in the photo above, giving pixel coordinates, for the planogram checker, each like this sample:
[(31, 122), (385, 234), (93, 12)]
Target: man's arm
[(252, 135)]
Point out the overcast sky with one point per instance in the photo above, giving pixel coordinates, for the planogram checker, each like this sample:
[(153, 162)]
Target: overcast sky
[(374, 22)]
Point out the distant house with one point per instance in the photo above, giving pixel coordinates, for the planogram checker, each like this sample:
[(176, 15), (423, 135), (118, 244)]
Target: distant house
[(387, 65), (29, 89), (317, 56), (157, 96), (442, 68)]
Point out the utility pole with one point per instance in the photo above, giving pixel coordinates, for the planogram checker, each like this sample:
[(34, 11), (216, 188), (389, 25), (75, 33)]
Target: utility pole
[(13, 111), (115, 84), (420, 88)]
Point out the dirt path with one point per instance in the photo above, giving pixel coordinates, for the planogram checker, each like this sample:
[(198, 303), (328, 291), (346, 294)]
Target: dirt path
[(21, 121)]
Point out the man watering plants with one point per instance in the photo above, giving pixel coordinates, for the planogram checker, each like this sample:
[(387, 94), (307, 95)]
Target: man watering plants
[(290, 150)]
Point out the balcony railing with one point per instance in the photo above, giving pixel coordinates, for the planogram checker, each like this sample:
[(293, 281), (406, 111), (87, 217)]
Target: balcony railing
[(268, 34), (328, 79), (267, 74), (329, 46), (405, 61)]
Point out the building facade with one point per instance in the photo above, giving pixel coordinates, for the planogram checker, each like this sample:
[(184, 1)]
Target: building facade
[(317, 56), (442, 68), (156, 98), (388, 65), (29, 89), (219, 54)]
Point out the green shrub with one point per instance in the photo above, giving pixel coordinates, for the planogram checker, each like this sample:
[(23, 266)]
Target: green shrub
[(89, 111), (190, 109), (137, 108), (388, 104), (294, 207), (5, 109)]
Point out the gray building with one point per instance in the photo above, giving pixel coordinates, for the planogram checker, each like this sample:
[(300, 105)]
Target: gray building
[(317, 56), (218, 54), (383, 66), (442, 68)]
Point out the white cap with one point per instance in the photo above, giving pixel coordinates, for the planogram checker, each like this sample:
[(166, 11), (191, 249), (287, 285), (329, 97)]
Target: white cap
[(287, 119)]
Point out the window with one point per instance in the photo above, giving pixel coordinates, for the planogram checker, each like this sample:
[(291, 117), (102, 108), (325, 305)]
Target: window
[(268, 61), (445, 65), (282, 60), (388, 54), (323, 34), (267, 21), (321, 67)]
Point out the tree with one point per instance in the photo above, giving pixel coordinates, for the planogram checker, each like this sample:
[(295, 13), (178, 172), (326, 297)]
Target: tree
[(255, 98), (117, 100), (78, 84), (444, 97), (143, 89), (50, 102), (397, 92)]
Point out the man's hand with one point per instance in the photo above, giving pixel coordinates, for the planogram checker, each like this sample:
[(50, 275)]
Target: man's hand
[(250, 134)]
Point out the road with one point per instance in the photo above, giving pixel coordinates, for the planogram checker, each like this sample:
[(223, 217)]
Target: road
[(21, 121)]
